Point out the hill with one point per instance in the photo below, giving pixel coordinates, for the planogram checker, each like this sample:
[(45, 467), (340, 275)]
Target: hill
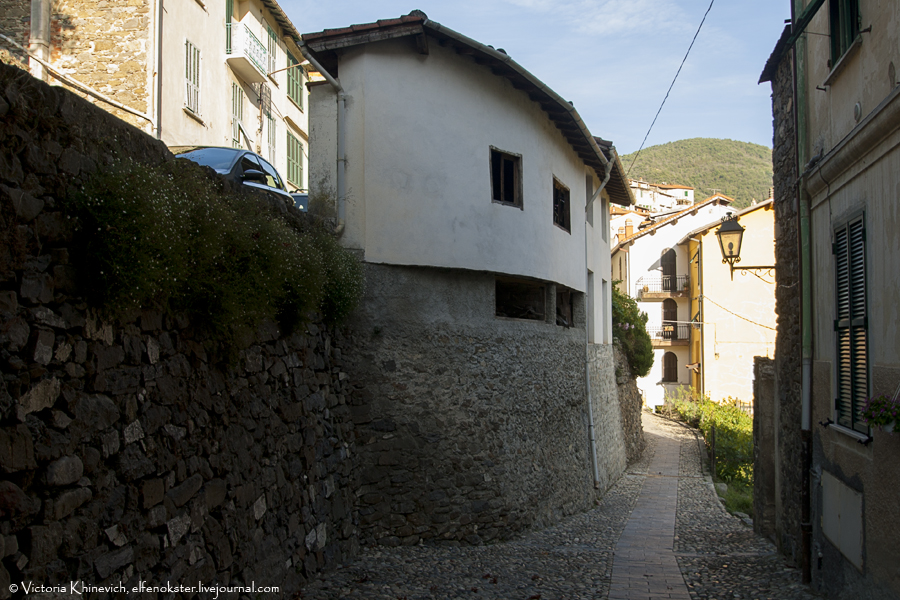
[(740, 170)]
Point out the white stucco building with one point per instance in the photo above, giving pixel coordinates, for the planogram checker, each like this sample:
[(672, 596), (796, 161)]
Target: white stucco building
[(187, 72), (658, 197), (654, 270), (479, 202)]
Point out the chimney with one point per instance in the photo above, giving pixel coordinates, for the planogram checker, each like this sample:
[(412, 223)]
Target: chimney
[(621, 233), (629, 229)]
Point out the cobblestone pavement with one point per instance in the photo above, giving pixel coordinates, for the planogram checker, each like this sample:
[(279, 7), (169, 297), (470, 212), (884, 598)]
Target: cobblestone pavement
[(598, 555)]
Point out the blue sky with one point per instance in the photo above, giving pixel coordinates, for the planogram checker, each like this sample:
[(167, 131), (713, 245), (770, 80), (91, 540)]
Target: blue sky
[(615, 59)]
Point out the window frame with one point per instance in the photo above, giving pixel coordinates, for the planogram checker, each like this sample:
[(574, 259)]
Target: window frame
[(294, 167), (562, 206), (295, 77), (852, 291), (499, 177), (192, 71), (843, 17), (670, 371), (272, 49)]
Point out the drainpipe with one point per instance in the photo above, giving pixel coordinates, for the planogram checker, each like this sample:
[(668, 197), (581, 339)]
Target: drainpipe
[(587, 334), (39, 41), (341, 132), (800, 135), (702, 357), (156, 123)]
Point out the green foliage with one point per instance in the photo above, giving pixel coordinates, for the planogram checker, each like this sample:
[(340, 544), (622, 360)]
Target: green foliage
[(740, 170), (630, 330), (170, 237), (733, 431), (739, 498)]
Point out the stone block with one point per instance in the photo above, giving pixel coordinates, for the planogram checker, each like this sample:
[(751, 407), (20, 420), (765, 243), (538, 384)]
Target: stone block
[(16, 449), (133, 464), (42, 543), (41, 396), (9, 302), (177, 527), (109, 563), (17, 332), (14, 502), (97, 411), (66, 503), (41, 346), (180, 494), (64, 471), (37, 288), (215, 493), (152, 492)]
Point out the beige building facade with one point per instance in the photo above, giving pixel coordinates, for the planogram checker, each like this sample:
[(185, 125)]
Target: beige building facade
[(840, 94), (189, 72)]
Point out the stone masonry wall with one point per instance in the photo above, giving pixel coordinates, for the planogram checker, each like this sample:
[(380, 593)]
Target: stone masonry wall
[(630, 406), (104, 44), (787, 309), (471, 428), (126, 453)]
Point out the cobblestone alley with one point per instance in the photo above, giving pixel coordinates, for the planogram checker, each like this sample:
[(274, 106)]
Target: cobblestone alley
[(660, 532)]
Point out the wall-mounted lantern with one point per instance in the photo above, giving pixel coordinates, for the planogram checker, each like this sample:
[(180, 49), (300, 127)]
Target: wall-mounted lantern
[(730, 235)]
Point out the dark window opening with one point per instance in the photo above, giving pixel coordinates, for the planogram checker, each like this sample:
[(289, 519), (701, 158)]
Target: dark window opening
[(565, 307), (506, 176), (519, 299), (668, 271), (561, 214), (669, 318), (844, 18), (670, 368)]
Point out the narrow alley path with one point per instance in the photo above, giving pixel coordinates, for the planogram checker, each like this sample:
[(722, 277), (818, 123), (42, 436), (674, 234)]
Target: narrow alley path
[(660, 532)]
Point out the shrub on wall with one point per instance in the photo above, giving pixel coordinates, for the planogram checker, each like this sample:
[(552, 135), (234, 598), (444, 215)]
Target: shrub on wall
[(630, 330), (174, 237)]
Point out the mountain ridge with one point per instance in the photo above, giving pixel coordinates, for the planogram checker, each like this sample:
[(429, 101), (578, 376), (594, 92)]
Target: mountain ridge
[(739, 170)]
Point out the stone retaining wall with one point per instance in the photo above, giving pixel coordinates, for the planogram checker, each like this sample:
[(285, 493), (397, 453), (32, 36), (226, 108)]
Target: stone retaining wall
[(472, 428), (127, 453), (630, 405)]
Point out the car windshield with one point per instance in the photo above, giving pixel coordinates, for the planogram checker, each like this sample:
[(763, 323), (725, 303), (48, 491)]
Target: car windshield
[(220, 159)]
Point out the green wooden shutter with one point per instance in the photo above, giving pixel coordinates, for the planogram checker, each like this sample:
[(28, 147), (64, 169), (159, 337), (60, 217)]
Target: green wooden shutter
[(851, 323)]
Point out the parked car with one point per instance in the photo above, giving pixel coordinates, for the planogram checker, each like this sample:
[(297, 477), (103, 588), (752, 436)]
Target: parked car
[(301, 201), (239, 165)]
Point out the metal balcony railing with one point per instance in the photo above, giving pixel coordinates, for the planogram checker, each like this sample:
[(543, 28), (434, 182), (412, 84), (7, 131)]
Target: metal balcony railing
[(670, 332), (240, 40), (664, 283)]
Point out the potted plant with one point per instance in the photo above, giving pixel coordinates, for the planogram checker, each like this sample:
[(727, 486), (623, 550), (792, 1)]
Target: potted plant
[(881, 411)]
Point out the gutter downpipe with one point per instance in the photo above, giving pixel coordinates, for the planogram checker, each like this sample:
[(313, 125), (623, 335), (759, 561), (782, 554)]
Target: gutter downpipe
[(39, 39), (341, 132), (156, 123), (800, 124), (701, 378), (587, 334)]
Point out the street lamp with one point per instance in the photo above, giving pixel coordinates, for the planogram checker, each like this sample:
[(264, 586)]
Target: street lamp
[(730, 234)]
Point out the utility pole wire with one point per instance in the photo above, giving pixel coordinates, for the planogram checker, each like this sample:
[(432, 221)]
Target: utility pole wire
[(670, 88)]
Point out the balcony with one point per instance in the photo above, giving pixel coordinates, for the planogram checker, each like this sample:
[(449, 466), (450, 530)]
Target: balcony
[(663, 286), (670, 334), (246, 55)]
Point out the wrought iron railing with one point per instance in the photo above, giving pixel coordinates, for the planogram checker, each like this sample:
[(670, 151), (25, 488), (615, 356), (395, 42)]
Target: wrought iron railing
[(240, 40), (663, 283), (670, 331)]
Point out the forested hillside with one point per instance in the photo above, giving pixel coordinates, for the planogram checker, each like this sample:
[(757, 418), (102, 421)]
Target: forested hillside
[(740, 170)]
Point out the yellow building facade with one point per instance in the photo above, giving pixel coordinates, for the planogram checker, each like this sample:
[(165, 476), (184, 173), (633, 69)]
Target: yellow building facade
[(733, 316)]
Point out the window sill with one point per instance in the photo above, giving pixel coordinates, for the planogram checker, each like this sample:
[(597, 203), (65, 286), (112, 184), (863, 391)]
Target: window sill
[(558, 226), (294, 102), (519, 206), (193, 115), (860, 437), (843, 60)]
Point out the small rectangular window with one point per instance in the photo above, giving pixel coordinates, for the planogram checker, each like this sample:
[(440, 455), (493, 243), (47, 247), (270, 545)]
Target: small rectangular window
[(561, 211), (565, 307), (588, 194), (506, 178), (844, 18), (517, 299), (192, 77)]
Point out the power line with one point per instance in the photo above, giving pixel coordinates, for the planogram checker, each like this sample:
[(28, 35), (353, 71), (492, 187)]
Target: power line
[(670, 88), (705, 297)]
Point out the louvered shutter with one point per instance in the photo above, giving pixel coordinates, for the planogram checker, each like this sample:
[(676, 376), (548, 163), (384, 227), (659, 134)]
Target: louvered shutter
[(851, 324)]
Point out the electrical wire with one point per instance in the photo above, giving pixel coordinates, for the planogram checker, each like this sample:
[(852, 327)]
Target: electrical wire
[(670, 88), (705, 297)]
